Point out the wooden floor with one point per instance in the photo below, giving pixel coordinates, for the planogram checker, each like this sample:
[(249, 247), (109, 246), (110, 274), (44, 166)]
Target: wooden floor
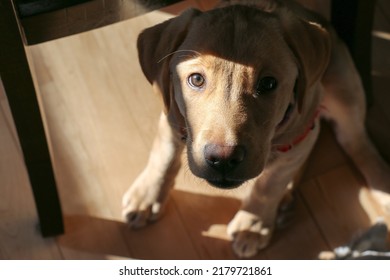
[(101, 118)]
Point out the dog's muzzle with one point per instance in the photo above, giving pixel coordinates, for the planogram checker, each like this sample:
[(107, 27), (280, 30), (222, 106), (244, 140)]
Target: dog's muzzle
[(224, 160)]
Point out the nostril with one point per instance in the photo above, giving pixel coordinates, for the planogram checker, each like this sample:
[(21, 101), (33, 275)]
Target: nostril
[(212, 160), (237, 156), (224, 158)]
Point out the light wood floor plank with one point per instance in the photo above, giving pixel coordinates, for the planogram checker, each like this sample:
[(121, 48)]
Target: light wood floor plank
[(339, 204), (89, 237), (205, 218), (19, 234), (165, 239)]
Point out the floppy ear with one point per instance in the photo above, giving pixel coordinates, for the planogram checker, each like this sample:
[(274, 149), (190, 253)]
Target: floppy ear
[(311, 44), (155, 44)]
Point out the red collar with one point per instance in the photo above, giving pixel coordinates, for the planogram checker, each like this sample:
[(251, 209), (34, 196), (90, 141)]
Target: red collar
[(287, 147)]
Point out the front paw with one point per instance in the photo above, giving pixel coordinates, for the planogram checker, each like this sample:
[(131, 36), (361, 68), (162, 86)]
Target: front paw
[(142, 203), (382, 199), (249, 233)]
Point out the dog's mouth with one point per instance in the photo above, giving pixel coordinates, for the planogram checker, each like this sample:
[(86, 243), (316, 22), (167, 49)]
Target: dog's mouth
[(225, 183)]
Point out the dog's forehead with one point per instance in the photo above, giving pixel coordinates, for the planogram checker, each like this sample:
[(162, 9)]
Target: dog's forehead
[(241, 34)]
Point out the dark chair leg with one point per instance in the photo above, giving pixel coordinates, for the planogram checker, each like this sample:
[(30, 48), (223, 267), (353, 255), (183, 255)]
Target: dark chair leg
[(19, 88), (353, 20)]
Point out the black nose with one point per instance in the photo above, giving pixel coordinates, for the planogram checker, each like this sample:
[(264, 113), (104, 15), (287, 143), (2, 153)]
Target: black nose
[(224, 158)]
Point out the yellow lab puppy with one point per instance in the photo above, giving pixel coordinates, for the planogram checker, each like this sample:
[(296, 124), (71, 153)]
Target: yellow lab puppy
[(244, 86)]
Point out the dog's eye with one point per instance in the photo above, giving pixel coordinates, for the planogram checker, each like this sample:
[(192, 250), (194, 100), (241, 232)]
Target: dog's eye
[(196, 80), (266, 84)]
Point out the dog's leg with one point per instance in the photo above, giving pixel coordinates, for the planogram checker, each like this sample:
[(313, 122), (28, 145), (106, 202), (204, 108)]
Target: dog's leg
[(144, 199), (346, 108), (252, 227)]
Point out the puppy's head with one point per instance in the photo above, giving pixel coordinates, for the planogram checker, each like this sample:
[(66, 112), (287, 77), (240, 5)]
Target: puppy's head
[(227, 78)]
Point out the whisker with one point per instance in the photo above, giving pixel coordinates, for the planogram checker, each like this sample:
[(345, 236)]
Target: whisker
[(178, 51)]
